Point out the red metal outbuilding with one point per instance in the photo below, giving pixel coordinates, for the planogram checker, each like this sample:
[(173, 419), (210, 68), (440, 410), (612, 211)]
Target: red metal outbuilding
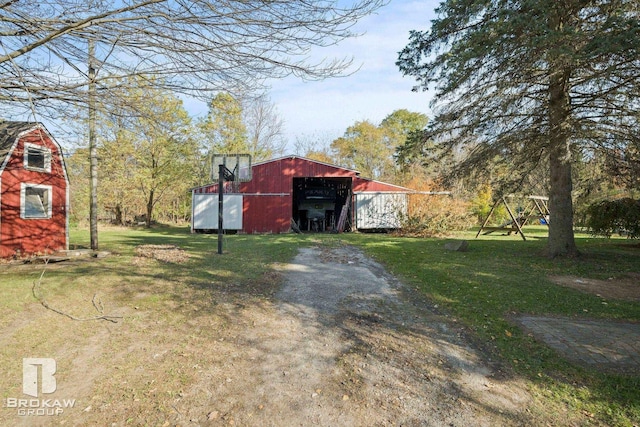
[(301, 192), (34, 191)]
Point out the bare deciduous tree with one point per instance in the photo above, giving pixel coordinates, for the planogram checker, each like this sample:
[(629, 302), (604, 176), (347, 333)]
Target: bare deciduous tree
[(265, 127), (195, 47)]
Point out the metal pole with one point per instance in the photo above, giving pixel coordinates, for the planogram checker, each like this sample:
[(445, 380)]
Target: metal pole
[(221, 169)]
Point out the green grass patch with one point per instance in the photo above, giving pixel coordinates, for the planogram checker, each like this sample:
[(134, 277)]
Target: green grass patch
[(501, 277)]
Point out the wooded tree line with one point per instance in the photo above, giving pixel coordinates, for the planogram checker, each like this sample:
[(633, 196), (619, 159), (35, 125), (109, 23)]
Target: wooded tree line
[(151, 156), (150, 160), (65, 59), (368, 147), (403, 147), (528, 93)]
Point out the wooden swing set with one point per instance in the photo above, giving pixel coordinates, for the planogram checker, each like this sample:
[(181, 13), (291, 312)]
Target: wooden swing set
[(534, 207)]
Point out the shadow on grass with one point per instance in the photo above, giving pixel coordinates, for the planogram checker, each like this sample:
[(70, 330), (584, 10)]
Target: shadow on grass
[(246, 267), (502, 277)]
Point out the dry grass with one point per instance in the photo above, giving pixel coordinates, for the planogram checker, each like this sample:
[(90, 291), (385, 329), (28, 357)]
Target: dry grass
[(166, 253)]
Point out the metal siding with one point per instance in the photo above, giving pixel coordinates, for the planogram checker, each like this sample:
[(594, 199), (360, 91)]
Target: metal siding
[(267, 214), (268, 196), (380, 210), (272, 213), (276, 176)]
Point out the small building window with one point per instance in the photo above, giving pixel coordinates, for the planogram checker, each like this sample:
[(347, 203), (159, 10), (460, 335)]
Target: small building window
[(37, 158), (35, 201)]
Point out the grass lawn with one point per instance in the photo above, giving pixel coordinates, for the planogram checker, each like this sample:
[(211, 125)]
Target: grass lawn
[(482, 289), (500, 277)]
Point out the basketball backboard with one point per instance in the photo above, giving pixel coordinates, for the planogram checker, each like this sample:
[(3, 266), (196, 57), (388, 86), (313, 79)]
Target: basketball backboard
[(238, 164)]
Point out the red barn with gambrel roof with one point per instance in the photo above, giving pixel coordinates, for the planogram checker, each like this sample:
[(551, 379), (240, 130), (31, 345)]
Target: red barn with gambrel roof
[(302, 192), (34, 195)]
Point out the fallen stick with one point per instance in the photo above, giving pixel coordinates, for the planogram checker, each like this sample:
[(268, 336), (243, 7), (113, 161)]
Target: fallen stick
[(97, 305)]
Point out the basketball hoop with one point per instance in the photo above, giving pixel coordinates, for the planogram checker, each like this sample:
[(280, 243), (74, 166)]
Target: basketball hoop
[(235, 168), (238, 167)]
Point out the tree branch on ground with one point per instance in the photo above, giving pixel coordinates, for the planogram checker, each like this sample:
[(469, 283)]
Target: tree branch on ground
[(97, 303)]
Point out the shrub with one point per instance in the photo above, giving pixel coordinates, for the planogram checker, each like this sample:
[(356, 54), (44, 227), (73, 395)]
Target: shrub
[(435, 215), (615, 216)]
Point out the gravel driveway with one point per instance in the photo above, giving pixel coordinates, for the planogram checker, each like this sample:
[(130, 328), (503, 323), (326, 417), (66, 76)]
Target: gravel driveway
[(348, 348)]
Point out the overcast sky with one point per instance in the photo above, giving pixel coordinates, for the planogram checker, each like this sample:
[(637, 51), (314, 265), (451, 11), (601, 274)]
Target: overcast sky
[(323, 110)]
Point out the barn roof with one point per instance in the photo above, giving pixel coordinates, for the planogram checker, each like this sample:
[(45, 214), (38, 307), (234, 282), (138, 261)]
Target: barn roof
[(352, 172), (292, 157), (346, 172), (9, 132)]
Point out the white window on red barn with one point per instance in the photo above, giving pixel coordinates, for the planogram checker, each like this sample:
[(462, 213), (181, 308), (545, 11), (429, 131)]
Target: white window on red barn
[(35, 201), (37, 158)]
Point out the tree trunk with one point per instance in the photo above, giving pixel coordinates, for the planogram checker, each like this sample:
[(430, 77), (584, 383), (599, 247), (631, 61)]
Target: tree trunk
[(119, 218), (93, 150), (149, 209), (561, 238)]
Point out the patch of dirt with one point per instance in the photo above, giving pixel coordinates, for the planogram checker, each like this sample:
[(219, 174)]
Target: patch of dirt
[(165, 253), (622, 288)]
